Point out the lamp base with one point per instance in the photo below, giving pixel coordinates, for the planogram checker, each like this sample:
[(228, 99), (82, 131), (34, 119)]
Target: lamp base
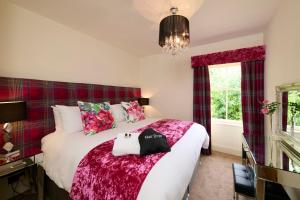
[(8, 146), (7, 129)]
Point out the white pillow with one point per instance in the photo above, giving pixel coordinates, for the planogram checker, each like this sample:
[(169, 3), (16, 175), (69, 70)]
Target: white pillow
[(71, 118), (57, 118), (117, 112), (126, 145)]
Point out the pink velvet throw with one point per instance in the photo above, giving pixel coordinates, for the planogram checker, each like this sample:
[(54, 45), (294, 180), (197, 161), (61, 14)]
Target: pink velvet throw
[(100, 175)]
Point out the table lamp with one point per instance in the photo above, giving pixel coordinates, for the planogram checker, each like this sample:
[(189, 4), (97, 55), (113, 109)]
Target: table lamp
[(143, 101), (11, 112)]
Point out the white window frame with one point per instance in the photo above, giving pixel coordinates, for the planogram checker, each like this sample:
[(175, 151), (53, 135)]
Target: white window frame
[(227, 121)]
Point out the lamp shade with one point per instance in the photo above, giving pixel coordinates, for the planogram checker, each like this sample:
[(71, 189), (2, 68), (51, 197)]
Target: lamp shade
[(174, 25), (174, 33), (13, 111), (143, 101)]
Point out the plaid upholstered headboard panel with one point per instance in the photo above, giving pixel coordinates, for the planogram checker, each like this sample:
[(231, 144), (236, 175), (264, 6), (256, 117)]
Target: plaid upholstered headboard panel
[(41, 95)]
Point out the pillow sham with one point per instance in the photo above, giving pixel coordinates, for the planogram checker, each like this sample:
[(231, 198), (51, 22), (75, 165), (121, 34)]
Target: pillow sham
[(96, 117), (133, 111), (152, 142), (57, 118), (126, 144), (117, 112), (70, 118)]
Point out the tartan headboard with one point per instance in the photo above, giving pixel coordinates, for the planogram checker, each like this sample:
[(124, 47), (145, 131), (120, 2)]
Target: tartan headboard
[(41, 95)]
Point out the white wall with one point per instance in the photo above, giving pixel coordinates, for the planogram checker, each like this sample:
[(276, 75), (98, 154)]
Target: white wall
[(168, 81), (32, 46), (227, 137), (282, 38)]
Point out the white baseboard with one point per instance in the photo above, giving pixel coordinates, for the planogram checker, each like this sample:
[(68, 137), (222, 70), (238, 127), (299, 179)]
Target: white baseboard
[(228, 150)]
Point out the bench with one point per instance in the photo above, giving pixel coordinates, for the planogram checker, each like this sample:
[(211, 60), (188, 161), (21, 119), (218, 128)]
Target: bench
[(244, 183)]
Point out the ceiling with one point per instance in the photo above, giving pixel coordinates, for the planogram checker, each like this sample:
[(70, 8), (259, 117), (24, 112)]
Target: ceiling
[(132, 25)]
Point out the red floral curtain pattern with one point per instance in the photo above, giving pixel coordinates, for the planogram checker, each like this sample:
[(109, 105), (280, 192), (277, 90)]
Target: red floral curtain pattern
[(238, 55), (201, 110), (252, 94)]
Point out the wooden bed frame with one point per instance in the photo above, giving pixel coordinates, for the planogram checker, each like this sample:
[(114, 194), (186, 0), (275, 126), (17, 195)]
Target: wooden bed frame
[(48, 190)]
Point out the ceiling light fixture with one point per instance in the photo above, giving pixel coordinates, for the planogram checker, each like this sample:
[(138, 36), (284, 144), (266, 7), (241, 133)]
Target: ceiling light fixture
[(174, 33)]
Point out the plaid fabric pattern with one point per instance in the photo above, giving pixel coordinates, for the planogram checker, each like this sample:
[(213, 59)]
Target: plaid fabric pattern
[(41, 95), (231, 56), (284, 104), (201, 109), (252, 93)]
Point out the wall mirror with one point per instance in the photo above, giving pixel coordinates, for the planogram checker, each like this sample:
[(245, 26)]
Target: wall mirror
[(289, 110)]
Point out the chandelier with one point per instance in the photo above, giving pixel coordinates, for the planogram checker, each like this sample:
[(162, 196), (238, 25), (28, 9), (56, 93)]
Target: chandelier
[(174, 33)]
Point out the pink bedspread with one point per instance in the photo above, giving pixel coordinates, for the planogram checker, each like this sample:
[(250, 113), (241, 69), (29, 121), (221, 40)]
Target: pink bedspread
[(100, 175)]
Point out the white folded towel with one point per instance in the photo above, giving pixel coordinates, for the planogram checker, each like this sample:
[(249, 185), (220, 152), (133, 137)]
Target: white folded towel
[(126, 145)]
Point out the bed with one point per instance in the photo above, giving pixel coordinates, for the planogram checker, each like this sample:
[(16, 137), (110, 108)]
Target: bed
[(169, 177)]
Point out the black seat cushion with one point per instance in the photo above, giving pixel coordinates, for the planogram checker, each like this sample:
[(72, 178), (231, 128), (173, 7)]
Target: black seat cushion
[(239, 166), (275, 191), (243, 179)]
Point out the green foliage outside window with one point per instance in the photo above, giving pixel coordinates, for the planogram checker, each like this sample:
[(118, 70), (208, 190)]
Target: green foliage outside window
[(293, 106), (226, 92)]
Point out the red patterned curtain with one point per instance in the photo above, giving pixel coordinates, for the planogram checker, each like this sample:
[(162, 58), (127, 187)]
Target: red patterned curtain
[(285, 100), (231, 56), (252, 88), (201, 109), (252, 94)]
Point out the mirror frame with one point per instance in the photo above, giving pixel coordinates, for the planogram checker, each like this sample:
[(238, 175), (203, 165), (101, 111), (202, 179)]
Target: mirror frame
[(279, 90)]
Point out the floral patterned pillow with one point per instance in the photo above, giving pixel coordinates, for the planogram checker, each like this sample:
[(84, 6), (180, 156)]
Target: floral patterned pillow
[(133, 111), (96, 117)]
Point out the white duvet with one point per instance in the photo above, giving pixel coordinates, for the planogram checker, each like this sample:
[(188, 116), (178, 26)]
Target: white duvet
[(168, 179)]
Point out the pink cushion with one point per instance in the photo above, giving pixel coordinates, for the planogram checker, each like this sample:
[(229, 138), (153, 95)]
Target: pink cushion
[(96, 117), (133, 111)]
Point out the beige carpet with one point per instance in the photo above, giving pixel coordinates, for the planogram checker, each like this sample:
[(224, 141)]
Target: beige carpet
[(214, 180)]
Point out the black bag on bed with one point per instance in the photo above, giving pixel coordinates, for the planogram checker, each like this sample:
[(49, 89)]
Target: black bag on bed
[(152, 142)]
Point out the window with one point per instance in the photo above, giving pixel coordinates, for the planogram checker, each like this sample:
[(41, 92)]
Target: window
[(293, 102), (225, 83)]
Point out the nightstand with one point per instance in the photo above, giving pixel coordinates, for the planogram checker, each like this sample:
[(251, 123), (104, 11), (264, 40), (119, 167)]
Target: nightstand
[(20, 171)]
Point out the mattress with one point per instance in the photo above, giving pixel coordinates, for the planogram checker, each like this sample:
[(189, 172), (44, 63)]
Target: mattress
[(169, 177)]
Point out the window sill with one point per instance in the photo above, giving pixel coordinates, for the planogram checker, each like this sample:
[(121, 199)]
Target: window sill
[(227, 122)]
